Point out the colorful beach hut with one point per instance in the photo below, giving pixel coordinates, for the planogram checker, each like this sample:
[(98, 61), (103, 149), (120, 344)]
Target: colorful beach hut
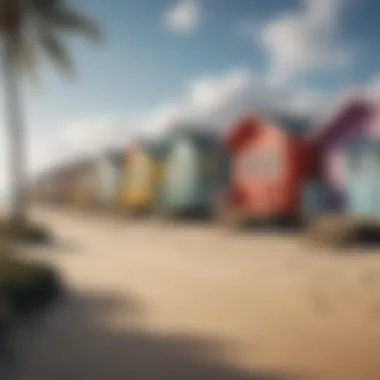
[(60, 181), (45, 189), (194, 172), (111, 171), (124, 180), (344, 157), (160, 151), (142, 183), (268, 165), (84, 192), (362, 167)]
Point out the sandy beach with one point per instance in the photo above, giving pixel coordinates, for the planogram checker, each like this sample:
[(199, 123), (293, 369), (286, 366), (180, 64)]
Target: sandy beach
[(182, 301)]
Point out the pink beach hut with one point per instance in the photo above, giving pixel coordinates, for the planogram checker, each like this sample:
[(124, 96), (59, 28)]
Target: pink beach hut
[(356, 121)]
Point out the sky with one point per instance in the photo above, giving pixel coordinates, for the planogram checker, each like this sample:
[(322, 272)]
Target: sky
[(161, 61)]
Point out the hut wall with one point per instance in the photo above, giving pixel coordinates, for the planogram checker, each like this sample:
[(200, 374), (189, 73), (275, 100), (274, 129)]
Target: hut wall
[(110, 176), (363, 177), (355, 121), (139, 185), (183, 176)]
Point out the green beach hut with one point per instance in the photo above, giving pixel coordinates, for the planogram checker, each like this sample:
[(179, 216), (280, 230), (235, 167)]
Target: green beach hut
[(195, 171)]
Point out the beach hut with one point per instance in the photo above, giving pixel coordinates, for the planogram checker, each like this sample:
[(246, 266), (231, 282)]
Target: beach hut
[(60, 182), (141, 191), (160, 151), (333, 142), (110, 176), (85, 184), (194, 172), (70, 184), (268, 165), (40, 190), (124, 179), (362, 167)]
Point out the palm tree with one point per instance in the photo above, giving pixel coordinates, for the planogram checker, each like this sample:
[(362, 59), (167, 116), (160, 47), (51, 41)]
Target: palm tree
[(28, 28)]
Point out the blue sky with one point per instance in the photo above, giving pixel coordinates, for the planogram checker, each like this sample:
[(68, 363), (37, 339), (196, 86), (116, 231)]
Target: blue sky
[(143, 63), (167, 59)]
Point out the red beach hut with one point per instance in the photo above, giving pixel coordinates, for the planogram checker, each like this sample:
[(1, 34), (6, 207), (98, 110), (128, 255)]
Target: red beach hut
[(269, 162)]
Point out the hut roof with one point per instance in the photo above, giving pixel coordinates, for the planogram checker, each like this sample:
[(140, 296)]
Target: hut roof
[(292, 124), (247, 125), (66, 168), (356, 107), (159, 149), (364, 142), (116, 156), (203, 138), (244, 128)]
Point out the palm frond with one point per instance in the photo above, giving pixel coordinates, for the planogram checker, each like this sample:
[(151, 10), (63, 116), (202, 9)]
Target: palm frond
[(46, 4), (44, 23), (58, 15), (11, 16), (55, 49)]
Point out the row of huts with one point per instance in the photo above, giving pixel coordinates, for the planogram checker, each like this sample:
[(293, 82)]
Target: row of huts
[(266, 165)]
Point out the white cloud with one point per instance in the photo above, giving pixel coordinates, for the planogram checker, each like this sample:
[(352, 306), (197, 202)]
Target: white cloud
[(304, 39), (159, 120), (210, 100), (209, 94), (221, 98), (80, 138), (184, 16)]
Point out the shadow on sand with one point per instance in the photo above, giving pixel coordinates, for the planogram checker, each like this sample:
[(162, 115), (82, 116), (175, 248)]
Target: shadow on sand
[(58, 245), (281, 226), (81, 339), (201, 217), (367, 238)]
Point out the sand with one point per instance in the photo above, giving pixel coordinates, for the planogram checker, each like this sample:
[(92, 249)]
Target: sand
[(178, 301)]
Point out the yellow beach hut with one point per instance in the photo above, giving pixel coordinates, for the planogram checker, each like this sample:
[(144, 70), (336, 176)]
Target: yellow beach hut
[(143, 174)]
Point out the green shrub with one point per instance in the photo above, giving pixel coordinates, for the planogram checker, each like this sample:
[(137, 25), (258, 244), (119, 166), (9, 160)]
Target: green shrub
[(27, 287), (5, 316), (24, 232)]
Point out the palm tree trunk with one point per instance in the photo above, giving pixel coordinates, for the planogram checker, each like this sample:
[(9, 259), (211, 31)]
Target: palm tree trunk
[(14, 121)]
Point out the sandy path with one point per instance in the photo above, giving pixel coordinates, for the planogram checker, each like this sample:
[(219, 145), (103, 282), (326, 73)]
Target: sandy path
[(181, 302)]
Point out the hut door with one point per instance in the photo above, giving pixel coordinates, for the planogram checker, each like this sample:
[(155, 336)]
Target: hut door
[(182, 174), (361, 182)]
